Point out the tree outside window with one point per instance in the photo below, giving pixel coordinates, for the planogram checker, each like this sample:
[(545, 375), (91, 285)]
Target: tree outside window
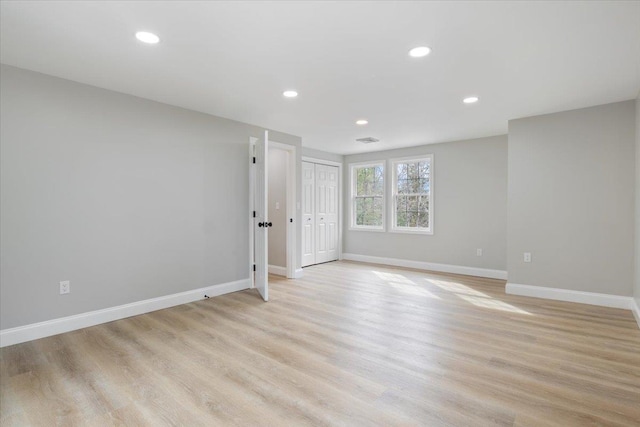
[(368, 196), (412, 195)]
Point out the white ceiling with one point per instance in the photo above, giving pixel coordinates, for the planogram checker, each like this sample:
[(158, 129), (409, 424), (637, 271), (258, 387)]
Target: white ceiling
[(348, 60)]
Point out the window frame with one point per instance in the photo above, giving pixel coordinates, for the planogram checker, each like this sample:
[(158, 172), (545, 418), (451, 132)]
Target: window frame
[(352, 196), (394, 193)]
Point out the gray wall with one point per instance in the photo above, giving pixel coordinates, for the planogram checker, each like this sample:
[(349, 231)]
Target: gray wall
[(278, 194), (636, 289), (470, 202), (128, 199), (571, 199)]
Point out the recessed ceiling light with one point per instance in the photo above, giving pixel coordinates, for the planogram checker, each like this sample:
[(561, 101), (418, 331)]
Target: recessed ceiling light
[(470, 100), (361, 122), (419, 52), (290, 93), (146, 37)]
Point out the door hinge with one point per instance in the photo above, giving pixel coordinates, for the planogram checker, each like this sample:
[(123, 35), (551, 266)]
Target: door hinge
[(254, 267), (290, 219), (254, 160), (254, 214)]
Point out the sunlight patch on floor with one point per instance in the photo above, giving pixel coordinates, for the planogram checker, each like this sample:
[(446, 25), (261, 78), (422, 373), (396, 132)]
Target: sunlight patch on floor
[(477, 298), (493, 304), (404, 285)]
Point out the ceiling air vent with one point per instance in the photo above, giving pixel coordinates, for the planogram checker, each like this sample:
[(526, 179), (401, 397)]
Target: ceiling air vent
[(367, 140)]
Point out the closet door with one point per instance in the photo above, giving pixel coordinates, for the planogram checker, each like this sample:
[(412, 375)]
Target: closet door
[(322, 251), (308, 214), (326, 213), (331, 214)]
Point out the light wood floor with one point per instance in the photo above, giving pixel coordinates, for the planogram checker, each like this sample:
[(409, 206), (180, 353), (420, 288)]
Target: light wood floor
[(350, 344)]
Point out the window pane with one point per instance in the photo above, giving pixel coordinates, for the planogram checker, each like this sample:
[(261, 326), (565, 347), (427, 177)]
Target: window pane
[(401, 203), (369, 192), (424, 185), (413, 171), (403, 186), (378, 181), (411, 201), (412, 219), (412, 178), (401, 211), (360, 179), (369, 211), (401, 218), (415, 186), (423, 220), (376, 215), (402, 171), (361, 210), (423, 204), (424, 169), (369, 181)]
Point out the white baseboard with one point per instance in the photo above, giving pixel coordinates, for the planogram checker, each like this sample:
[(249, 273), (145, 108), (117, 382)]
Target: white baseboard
[(420, 265), (299, 273), (71, 323), (604, 300), (635, 309), (277, 270)]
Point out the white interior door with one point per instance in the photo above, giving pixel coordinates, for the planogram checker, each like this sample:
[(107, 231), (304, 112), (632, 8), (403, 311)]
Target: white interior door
[(331, 212), (322, 245), (326, 213), (261, 225), (308, 217)]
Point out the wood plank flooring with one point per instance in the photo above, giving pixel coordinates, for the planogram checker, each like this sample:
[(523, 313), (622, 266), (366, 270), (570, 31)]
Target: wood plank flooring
[(348, 345)]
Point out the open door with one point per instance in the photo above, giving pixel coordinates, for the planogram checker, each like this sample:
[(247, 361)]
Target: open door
[(261, 224)]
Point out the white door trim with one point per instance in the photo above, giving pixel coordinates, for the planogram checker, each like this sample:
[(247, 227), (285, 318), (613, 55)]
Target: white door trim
[(340, 213), (320, 161)]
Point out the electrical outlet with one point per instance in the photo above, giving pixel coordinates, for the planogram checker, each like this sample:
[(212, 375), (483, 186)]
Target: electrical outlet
[(527, 257), (479, 252), (65, 287)]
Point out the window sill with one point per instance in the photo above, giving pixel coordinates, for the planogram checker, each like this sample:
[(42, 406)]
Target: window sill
[(405, 231), (375, 230)]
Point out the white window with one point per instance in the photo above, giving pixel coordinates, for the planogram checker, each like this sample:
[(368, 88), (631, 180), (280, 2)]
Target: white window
[(412, 198), (367, 196)]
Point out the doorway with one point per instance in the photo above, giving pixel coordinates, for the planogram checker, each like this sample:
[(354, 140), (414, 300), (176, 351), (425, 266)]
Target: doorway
[(268, 218), (278, 209)]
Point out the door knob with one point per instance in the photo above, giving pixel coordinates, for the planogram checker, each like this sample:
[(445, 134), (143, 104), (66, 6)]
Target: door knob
[(269, 225), (261, 224)]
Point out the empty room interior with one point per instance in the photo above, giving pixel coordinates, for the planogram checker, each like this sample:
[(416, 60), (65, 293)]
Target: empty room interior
[(319, 213)]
